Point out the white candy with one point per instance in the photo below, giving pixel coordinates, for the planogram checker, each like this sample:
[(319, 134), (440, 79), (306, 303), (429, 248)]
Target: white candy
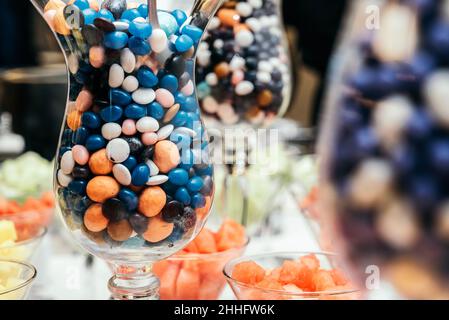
[(116, 76), (237, 63), (128, 60), (256, 4), (147, 124), (157, 180), (121, 25), (154, 170), (67, 162), (111, 130), (265, 66), (253, 24), (437, 95), (209, 104), (117, 150), (214, 23), (244, 38), (122, 174), (218, 44), (265, 21), (130, 84), (263, 76), (225, 111), (203, 58), (165, 132), (212, 79), (244, 9), (158, 40), (140, 20), (144, 96), (203, 46), (63, 179), (244, 88)]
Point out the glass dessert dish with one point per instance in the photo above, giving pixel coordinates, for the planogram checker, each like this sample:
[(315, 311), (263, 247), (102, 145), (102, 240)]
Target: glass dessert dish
[(326, 282), (385, 145), (244, 72), (133, 178), (15, 279)]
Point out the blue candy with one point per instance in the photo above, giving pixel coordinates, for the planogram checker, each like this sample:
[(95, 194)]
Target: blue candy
[(135, 111), (143, 10), (80, 136), (82, 4), (111, 114), (155, 110), (168, 23), (183, 196), (183, 43), (82, 203), (115, 40), (195, 184), (198, 201), (105, 14), (90, 120), (192, 117), (169, 82), (178, 177), (180, 16), (190, 105), (180, 119), (181, 140), (187, 159), (129, 198), (95, 142), (78, 186), (139, 46), (89, 16), (193, 32), (140, 29), (130, 163), (120, 97), (203, 90), (205, 171), (180, 98), (140, 175), (146, 77), (130, 14)]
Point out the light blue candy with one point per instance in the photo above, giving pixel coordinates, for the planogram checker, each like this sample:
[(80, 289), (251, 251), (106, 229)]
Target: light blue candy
[(105, 14), (140, 29), (193, 32), (180, 119), (190, 105), (116, 40), (167, 23), (180, 16), (82, 4), (89, 16), (130, 14), (143, 10), (203, 90), (178, 176), (195, 184), (139, 46), (183, 43)]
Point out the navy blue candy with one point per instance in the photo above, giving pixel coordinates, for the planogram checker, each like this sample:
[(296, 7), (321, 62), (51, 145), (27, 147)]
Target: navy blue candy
[(90, 120), (81, 204), (180, 119), (205, 170), (116, 40), (195, 184), (155, 110), (180, 16), (80, 136), (146, 77), (129, 198), (193, 32), (139, 46), (178, 177), (95, 142), (183, 196), (140, 29), (82, 4), (111, 114), (78, 186), (130, 163), (105, 14), (140, 175), (183, 43), (143, 10), (120, 97), (135, 111), (169, 82), (89, 16), (198, 201), (130, 14)]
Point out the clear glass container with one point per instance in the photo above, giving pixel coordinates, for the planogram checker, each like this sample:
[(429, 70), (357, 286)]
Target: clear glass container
[(15, 279), (385, 144), (133, 178)]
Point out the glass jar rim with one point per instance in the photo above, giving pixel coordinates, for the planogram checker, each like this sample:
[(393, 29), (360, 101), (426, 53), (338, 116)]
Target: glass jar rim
[(27, 281)]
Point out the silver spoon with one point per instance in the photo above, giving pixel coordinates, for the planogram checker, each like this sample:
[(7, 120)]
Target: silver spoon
[(152, 13)]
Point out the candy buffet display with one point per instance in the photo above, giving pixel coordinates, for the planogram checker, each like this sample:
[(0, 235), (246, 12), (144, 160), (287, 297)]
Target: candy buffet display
[(196, 273), (288, 276), (133, 175), (243, 68), (385, 146)]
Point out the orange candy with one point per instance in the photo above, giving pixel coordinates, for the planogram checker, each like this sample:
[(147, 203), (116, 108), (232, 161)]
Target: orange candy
[(60, 24), (228, 17), (94, 220), (54, 5), (158, 230), (74, 119), (101, 188), (152, 201), (166, 156), (99, 163), (248, 272), (97, 56)]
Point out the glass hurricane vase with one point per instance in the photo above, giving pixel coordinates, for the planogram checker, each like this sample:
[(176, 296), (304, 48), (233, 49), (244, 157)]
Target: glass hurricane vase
[(133, 178)]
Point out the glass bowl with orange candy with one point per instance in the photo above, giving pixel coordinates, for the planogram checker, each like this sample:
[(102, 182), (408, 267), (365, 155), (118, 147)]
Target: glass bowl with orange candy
[(196, 273), (289, 276)]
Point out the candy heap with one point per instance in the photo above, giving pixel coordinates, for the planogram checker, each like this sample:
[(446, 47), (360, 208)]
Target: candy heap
[(133, 166), (304, 277), (389, 163), (196, 273), (242, 65)]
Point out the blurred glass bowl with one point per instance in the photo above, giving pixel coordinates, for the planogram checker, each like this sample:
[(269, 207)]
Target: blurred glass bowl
[(29, 224), (22, 250), (15, 279), (195, 276), (271, 261)]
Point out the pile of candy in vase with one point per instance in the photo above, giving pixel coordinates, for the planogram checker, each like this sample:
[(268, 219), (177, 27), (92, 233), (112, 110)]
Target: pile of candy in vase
[(388, 167), (242, 65), (304, 278), (133, 169), (196, 273)]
